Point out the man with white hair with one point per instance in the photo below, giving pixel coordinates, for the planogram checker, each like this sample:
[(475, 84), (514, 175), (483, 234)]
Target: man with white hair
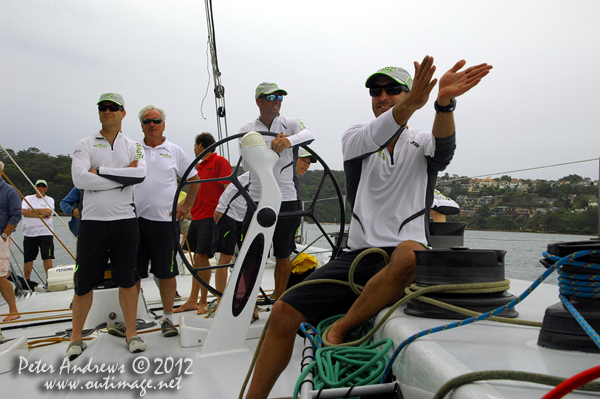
[(166, 162), (10, 215)]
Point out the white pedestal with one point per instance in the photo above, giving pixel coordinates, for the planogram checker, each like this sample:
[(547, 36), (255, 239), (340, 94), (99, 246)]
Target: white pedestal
[(106, 301)]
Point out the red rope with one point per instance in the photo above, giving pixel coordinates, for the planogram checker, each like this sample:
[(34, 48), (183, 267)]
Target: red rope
[(573, 383)]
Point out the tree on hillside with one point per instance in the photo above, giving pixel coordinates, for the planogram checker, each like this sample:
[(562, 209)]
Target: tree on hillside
[(39, 165), (572, 178)]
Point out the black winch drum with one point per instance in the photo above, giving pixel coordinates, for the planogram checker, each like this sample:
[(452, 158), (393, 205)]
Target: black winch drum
[(460, 266), (559, 329)]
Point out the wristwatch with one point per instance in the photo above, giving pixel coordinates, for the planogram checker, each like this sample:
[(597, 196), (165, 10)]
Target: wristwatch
[(448, 108), (4, 235)]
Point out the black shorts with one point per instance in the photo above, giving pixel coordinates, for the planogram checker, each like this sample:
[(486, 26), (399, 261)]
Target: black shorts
[(320, 301), (285, 230), (199, 236), (99, 240), (158, 246), (45, 244), (226, 235)]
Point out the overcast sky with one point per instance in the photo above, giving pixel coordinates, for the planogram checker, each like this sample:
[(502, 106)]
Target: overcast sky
[(538, 106)]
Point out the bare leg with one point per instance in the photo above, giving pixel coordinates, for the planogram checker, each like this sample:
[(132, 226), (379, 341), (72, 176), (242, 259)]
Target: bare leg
[(27, 269), (81, 308), (167, 287), (203, 261), (200, 260), (221, 274), (276, 350), (6, 289), (283, 268), (47, 266), (128, 298), (383, 289)]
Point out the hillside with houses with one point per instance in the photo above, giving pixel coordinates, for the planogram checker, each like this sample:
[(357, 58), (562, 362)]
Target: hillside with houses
[(567, 205)]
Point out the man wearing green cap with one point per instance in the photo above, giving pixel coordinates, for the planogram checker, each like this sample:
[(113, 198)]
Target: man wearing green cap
[(105, 167), (291, 132), (390, 176)]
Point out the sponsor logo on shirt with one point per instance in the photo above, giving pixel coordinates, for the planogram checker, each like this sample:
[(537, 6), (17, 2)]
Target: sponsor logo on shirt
[(165, 155), (415, 144), (139, 152), (100, 146), (381, 155)]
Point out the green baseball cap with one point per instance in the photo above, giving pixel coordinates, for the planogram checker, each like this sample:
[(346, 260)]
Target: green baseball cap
[(114, 97), (400, 75), (267, 88), (302, 153)]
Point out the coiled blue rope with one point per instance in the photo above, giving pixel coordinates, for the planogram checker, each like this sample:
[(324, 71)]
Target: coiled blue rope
[(578, 286), (559, 263)]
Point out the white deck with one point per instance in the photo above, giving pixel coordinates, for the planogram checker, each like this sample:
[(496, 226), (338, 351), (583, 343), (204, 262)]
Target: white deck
[(421, 368), (209, 377), (426, 364)]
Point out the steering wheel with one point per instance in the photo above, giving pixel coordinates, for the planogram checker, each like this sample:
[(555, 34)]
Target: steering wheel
[(233, 179)]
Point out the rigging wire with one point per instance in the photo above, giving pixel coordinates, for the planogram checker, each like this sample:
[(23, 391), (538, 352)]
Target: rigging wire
[(32, 208), (219, 89), (524, 170)]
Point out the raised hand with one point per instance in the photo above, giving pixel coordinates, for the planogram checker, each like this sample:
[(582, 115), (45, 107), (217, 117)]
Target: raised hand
[(422, 83), (455, 83)]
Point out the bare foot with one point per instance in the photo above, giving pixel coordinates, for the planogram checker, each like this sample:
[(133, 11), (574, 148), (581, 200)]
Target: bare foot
[(335, 337), (12, 316), (186, 307), (202, 308)]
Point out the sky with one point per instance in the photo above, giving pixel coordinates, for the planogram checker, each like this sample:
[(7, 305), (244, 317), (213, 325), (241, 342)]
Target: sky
[(537, 107)]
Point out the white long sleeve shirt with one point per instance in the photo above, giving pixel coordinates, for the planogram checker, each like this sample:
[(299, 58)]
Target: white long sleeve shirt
[(107, 195), (390, 194), (231, 202), (285, 169)]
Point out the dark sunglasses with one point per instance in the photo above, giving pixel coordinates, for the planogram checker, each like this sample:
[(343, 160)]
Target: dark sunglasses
[(112, 108), (272, 97), (391, 90), (42, 185), (157, 121)]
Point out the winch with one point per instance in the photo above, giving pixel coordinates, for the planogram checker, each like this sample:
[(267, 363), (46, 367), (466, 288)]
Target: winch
[(460, 265)]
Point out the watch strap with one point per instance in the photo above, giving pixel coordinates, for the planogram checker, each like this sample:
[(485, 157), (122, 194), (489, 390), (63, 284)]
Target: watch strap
[(448, 108)]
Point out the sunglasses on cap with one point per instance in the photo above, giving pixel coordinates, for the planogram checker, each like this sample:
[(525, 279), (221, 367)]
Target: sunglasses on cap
[(272, 97), (112, 108), (391, 90), (157, 121)]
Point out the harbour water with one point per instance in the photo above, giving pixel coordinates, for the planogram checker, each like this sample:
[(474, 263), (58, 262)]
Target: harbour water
[(524, 250)]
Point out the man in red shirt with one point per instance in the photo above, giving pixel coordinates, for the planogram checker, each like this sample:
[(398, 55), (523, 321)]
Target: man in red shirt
[(200, 232)]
